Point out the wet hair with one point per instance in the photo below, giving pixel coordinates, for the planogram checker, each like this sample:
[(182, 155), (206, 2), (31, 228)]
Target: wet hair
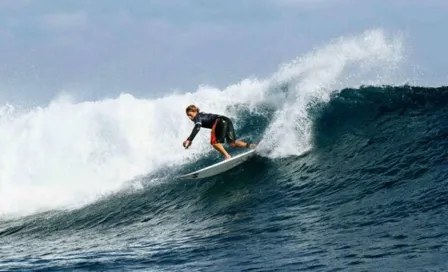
[(192, 108)]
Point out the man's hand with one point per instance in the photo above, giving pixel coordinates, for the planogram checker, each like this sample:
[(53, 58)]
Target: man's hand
[(186, 144)]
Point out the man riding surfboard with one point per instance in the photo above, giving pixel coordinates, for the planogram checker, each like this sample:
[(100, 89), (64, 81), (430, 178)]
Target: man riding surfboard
[(222, 130)]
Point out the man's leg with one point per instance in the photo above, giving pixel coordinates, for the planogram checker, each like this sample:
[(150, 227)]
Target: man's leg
[(241, 144), (217, 137), (238, 143), (231, 137), (221, 149)]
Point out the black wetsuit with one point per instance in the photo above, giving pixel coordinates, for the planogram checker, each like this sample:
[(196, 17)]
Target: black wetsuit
[(221, 126)]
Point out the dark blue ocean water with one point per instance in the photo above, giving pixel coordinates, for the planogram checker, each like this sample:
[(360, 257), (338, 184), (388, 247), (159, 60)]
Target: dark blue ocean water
[(371, 195)]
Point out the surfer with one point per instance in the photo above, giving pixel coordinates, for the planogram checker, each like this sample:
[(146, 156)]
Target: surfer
[(221, 126)]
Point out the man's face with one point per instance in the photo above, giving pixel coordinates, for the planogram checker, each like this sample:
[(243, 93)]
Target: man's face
[(191, 114)]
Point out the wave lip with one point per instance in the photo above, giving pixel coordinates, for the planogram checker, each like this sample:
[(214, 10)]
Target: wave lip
[(370, 58)]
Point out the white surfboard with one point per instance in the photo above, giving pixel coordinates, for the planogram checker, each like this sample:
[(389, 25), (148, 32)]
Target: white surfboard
[(219, 167)]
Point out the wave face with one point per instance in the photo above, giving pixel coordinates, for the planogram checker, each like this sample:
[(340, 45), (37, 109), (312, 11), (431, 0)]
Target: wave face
[(350, 174)]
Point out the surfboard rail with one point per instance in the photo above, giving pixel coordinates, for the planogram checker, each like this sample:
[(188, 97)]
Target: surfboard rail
[(219, 167)]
